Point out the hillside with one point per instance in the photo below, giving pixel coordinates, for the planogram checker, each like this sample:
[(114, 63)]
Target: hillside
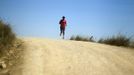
[(65, 57)]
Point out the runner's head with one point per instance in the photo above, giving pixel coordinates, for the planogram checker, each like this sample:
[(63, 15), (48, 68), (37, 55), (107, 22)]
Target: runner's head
[(63, 17)]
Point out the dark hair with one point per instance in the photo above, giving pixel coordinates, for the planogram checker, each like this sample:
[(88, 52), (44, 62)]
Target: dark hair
[(63, 16)]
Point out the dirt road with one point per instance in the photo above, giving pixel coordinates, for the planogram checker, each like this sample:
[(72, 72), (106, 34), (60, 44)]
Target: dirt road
[(60, 57)]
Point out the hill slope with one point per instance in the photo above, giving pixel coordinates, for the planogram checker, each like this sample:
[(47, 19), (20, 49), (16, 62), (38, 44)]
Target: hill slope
[(64, 57)]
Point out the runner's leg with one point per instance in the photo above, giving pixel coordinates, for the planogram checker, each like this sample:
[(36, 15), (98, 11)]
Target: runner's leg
[(63, 32), (60, 31)]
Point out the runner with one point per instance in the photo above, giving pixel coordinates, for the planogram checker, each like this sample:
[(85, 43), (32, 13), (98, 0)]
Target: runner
[(63, 24)]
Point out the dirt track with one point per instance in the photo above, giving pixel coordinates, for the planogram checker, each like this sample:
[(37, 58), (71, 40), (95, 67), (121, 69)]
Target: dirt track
[(64, 57)]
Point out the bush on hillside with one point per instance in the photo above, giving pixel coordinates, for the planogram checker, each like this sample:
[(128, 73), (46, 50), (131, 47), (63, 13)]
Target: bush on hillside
[(118, 40), (7, 36), (82, 38), (132, 44)]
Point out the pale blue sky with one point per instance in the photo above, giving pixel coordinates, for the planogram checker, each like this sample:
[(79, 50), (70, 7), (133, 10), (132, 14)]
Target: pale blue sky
[(39, 18)]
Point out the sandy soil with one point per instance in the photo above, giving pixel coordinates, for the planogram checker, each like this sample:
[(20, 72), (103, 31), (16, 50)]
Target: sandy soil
[(64, 57)]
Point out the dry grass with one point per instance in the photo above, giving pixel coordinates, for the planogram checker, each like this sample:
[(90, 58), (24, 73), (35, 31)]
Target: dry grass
[(7, 36), (82, 38), (117, 40), (10, 47)]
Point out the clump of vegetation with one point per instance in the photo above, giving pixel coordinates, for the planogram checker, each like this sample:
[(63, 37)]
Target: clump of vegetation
[(132, 44), (117, 40), (82, 38), (10, 47), (7, 36)]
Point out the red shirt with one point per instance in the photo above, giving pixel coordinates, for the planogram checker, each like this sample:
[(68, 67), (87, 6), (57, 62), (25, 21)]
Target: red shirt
[(63, 23)]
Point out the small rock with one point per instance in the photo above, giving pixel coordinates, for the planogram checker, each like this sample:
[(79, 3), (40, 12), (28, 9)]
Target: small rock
[(11, 51), (3, 65)]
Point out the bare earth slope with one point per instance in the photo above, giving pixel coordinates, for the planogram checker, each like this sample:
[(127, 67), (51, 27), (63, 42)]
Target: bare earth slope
[(64, 57)]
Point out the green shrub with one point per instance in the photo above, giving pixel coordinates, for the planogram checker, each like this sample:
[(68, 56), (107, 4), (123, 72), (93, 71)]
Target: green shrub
[(118, 40), (7, 36), (82, 38)]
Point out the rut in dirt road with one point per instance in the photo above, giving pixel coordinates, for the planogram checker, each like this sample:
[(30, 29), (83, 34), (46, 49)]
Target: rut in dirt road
[(64, 57), (33, 60)]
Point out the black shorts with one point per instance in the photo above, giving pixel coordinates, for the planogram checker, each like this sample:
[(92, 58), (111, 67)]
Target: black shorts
[(62, 29)]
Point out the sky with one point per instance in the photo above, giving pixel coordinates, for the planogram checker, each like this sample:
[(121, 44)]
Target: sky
[(40, 18)]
